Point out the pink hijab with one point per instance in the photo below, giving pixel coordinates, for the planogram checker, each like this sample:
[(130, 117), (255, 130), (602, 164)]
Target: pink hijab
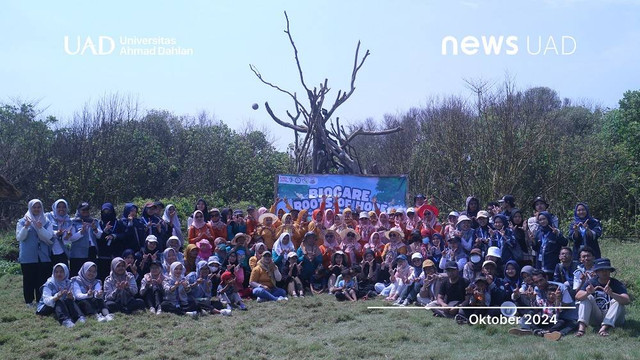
[(198, 223)]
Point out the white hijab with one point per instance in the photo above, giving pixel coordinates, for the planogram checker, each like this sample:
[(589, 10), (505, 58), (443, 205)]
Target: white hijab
[(280, 248), (175, 221)]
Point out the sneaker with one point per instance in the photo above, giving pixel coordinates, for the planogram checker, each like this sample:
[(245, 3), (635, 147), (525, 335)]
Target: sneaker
[(109, 317), (397, 303), (242, 306), (100, 318), (68, 324), (159, 311), (225, 312), (81, 320), (203, 312), (519, 331), (152, 310), (105, 312), (282, 298), (260, 299), (461, 319), (30, 305), (193, 314), (553, 336)]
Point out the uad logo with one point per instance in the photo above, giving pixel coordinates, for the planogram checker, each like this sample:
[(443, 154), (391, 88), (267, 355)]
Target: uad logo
[(105, 45)]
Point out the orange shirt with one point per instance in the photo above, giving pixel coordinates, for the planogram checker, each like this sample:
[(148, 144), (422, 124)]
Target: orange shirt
[(205, 232)]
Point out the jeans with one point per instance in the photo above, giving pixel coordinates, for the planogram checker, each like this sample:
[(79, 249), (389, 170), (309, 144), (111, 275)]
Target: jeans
[(269, 294)]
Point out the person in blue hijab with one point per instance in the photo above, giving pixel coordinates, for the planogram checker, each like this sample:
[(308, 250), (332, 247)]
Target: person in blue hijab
[(585, 230)]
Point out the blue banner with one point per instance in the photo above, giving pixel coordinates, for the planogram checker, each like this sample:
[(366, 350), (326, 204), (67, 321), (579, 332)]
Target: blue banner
[(353, 191)]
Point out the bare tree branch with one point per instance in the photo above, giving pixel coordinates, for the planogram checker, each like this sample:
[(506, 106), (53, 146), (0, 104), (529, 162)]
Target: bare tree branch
[(368, 133), (295, 52), (294, 97), (282, 123), (356, 67)]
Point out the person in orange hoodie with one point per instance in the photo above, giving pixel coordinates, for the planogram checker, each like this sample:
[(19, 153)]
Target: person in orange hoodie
[(217, 225), (266, 230), (251, 220), (200, 229)]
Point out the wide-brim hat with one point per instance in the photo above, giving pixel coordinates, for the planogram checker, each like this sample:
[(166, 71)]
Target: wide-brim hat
[(396, 230), (343, 234), (603, 264), (267, 215), (432, 209)]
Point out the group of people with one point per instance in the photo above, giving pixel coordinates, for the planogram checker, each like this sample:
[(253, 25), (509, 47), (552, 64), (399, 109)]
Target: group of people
[(478, 257)]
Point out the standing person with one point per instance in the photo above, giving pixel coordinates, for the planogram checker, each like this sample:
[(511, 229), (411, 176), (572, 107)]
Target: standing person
[(170, 217), (34, 235), (507, 204), (237, 225), (266, 229), (472, 206), (111, 243), (85, 240), (539, 205), (548, 242), (200, 229), (585, 230), (201, 205), (218, 226), (155, 225), (602, 300), (62, 230), (132, 231)]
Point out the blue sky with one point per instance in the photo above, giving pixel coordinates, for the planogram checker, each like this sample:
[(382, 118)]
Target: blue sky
[(405, 69)]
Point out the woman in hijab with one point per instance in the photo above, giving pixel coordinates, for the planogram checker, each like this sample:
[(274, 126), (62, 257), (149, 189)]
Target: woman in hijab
[(120, 289), (200, 229), (170, 216), (289, 226), (309, 256), (176, 286), (84, 243), (218, 226), (202, 206), (281, 248), (111, 242), (133, 231), (547, 244), (329, 247), (264, 278), (34, 235), (87, 290), (57, 298), (169, 256), (62, 231), (585, 230), (150, 253)]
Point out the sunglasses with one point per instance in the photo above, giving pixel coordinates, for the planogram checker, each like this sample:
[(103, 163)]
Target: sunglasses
[(393, 235)]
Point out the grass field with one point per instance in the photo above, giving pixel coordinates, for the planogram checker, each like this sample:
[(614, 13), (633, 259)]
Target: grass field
[(310, 328)]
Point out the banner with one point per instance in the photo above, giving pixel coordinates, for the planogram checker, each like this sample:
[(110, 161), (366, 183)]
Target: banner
[(353, 191)]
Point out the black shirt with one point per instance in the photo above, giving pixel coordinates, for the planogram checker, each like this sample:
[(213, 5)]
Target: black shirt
[(454, 292)]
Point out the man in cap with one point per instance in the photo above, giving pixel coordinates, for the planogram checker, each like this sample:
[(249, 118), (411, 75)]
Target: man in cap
[(602, 300), (507, 204), (452, 293)]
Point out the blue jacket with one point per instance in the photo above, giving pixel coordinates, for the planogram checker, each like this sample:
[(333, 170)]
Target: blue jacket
[(548, 245), (35, 245), (55, 226), (80, 243), (585, 237), (133, 233)]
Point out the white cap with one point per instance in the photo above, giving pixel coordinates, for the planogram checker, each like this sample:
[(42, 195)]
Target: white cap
[(494, 251), (152, 238), (454, 213), (411, 210), (416, 255), (364, 215), (291, 254)]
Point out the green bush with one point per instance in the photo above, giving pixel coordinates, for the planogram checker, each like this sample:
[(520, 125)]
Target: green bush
[(8, 246)]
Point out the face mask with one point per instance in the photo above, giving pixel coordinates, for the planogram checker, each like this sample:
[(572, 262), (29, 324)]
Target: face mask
[(213, 268), (475, 258), (425, 240)]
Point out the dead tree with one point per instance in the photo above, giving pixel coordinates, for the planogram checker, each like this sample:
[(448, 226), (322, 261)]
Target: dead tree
[(329, 148)]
